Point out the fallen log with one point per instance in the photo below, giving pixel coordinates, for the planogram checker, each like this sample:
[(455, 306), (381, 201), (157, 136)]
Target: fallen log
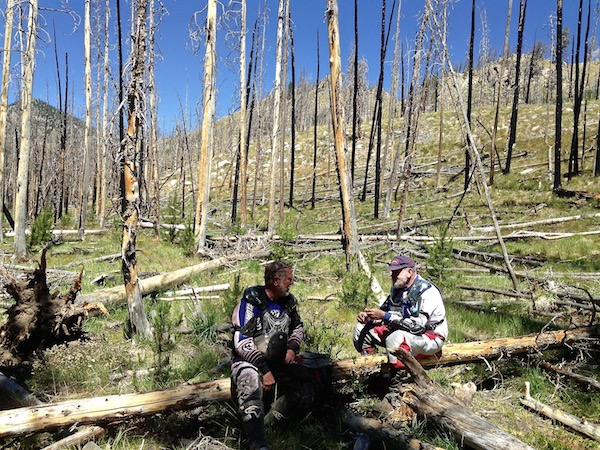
[(193, 291), (590, 382), (167, 280), (470, 429), (496, 291), (79, 437), (477, 351), (581, 425), (53, 416), (374, 428), (122, 407), (506, 226), (14, 394)]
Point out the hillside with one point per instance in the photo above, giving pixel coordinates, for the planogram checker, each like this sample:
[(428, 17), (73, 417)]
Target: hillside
[(551, 241)]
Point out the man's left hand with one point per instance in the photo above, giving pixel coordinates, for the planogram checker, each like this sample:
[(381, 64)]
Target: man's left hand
[(290, 356)]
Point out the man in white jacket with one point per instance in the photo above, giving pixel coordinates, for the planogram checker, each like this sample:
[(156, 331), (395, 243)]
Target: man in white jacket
[(413, 316)]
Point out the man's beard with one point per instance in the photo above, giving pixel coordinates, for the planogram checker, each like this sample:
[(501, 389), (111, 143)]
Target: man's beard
[(399, 284)]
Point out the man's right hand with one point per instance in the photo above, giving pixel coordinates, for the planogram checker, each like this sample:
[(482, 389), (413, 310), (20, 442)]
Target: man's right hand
[(362, 317), (268, 380)]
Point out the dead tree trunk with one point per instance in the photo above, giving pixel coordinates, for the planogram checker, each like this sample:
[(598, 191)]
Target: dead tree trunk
[(349, 232), (28, 63), (87, 140), (208, 117), (131, 194), (315, 141), (8, 26)]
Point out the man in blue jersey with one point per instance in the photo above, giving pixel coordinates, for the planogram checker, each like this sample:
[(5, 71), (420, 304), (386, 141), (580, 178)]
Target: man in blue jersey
[(266, 381), (413, 317)]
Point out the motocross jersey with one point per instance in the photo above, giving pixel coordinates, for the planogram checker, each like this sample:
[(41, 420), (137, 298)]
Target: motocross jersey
[(265, 329), (418, 309)]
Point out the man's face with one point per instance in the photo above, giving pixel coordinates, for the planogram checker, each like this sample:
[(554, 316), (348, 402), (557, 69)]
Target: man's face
[(282, 285), (401, 277)]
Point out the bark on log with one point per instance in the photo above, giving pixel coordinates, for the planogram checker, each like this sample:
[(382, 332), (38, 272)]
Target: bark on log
[(167, 280), (121, 407), (581, 425), (470, 429)]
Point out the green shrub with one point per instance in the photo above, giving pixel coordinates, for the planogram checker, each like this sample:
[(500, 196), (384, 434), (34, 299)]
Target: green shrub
[(440, 257), (41, 230), (356, 290), (163, 341)]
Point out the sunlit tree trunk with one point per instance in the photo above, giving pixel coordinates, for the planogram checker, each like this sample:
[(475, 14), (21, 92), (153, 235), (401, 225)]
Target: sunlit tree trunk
[(276, 133), (8, 26), (349, 231), (131, 192), (153, 144), (243, 107), (28, 66), (315, 139), (103, 131), (208, 117), (87, 151), (389, 139), (283, 112)]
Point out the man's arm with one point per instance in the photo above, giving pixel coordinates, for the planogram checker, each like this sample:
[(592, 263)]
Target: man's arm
[(297, 333), (244, 344)]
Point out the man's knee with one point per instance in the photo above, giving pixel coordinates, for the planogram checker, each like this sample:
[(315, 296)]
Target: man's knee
[(246, 386)]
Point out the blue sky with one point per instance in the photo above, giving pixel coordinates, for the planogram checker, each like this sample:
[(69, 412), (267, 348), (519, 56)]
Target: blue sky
[(179, 69)]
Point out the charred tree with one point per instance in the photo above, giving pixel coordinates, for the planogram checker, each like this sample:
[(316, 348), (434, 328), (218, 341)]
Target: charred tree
[(557, 185), (493, 149), (470, 95), (579, 90), (512, 132)]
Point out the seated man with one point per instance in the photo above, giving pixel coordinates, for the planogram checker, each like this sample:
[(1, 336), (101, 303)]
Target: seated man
[(413, 317), (264, 372)]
